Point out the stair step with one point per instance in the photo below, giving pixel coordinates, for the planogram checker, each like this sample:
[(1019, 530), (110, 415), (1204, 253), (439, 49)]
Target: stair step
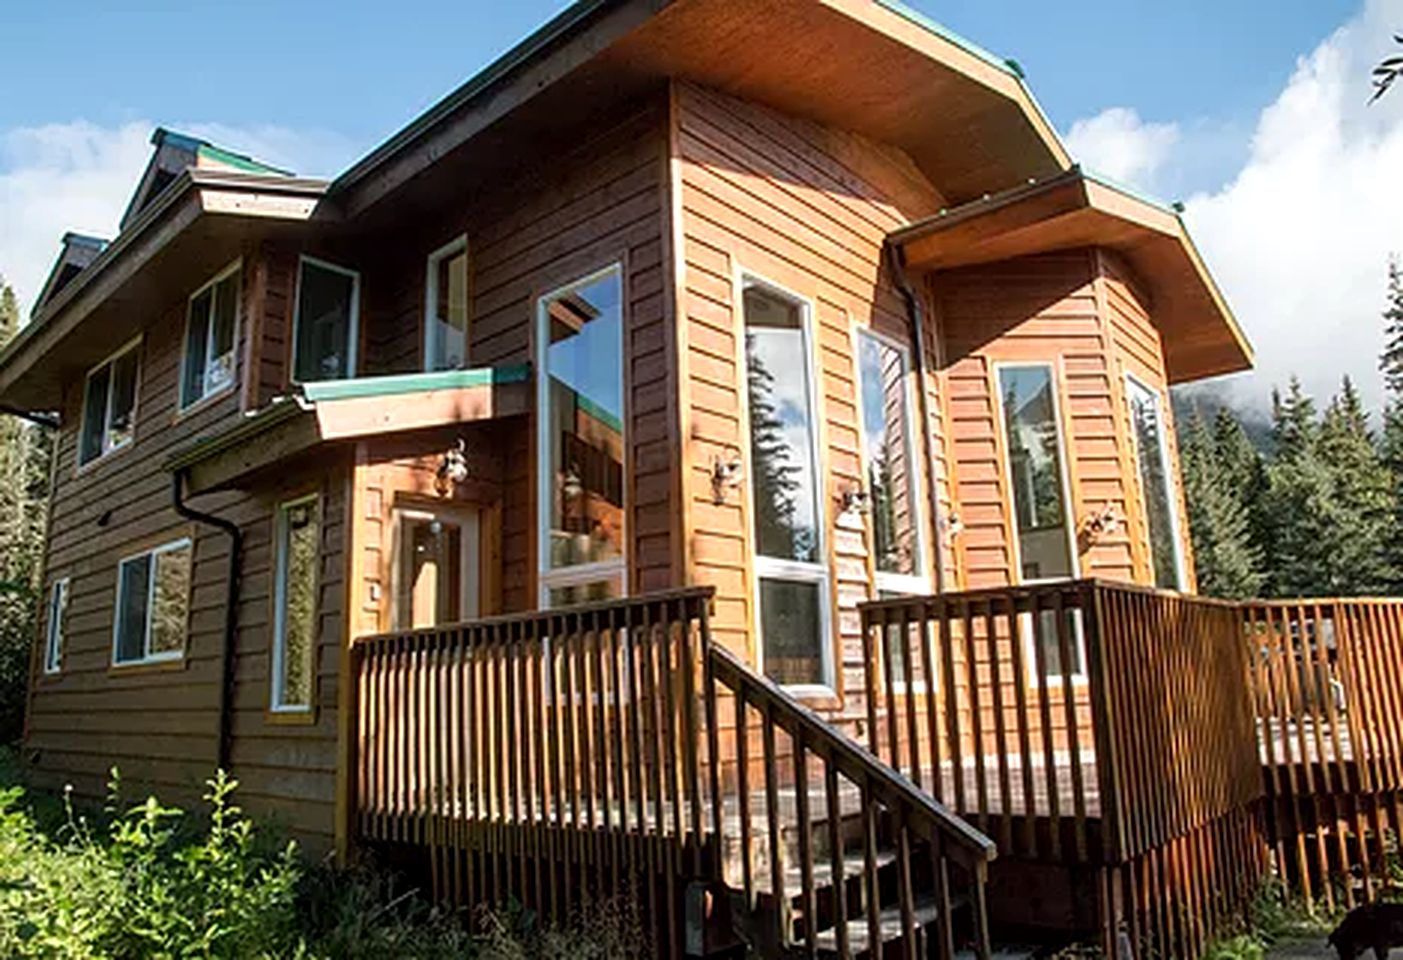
[(888, 926)]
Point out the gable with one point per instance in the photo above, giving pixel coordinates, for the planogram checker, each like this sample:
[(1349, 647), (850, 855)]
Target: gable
[(175, 153)]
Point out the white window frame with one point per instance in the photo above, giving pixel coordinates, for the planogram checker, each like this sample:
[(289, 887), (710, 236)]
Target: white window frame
[(276, 703), (615, 570), (773, 568), (184, 543), (55, 626), (915, 584), (449, 249), (206, 392), (352, 334), (1025, 620), (469, 522), (107, 446), (1132, 384)]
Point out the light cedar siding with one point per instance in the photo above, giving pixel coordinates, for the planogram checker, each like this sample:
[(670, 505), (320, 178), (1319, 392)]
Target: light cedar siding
[(1139, 350), (807, 208)]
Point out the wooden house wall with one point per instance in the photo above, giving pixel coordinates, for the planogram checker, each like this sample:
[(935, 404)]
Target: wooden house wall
[(159, 723), (807, 208)]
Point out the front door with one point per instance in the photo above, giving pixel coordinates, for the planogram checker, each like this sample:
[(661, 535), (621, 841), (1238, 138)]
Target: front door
[(436, 567)]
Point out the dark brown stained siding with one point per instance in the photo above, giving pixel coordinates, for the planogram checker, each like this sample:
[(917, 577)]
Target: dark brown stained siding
[(808, 208), (598, 204), (159, 726)]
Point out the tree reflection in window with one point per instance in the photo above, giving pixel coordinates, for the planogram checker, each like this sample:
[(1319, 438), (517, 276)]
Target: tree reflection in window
[(1035, 471)]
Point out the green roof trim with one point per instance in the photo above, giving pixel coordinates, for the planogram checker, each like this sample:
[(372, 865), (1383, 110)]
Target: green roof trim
[(238, 161), (940, 30), (1129, 191), (360, 387), (610, 420)]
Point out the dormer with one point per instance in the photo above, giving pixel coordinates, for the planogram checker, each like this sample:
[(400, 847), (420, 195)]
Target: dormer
[(174, 153), (77, 252)]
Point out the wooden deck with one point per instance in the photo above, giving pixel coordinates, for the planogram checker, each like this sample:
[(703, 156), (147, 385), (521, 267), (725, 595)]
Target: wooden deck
[(1163, 746)]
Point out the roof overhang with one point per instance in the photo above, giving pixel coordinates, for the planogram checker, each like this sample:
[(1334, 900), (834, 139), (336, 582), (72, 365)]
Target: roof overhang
[(343, 410), (198, 225), (872, 67), (1201, 336)]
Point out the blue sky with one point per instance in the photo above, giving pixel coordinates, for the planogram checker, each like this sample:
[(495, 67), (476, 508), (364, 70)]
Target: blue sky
[(1251, 112)]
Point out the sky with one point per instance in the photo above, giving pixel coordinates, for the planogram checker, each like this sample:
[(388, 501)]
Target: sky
[(1254, 115)]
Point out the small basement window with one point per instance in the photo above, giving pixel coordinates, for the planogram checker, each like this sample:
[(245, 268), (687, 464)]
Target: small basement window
[(109, 405), (153, 605), (211, 330), (55, 627)]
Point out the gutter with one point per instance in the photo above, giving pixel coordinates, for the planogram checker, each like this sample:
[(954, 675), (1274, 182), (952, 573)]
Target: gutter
[(231, 613), (893, 256)]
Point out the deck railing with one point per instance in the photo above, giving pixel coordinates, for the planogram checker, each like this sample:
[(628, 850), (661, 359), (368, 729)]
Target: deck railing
[(1327, 682), (561, 757), (1082, 721)]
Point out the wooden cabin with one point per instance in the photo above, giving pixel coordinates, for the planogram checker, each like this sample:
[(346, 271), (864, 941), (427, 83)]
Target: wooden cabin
[(774, 326)]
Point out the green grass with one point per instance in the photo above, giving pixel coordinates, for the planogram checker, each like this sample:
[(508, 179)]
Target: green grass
[(147, 880)]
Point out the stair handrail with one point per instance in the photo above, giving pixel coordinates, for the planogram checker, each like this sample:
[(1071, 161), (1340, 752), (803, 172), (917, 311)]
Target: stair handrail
[(972, 849)]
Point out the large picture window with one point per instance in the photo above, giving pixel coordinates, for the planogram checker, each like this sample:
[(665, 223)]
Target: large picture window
[(891, 465), (792, 588), (325, 328), (1152, 457), (109, 405), (446, 308), (582, 441), (210, 335), (1033, 439), (298, 540), (153, 604)]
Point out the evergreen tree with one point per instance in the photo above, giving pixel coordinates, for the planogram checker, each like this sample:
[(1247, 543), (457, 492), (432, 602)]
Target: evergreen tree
[(1298, 499), (1362, 531), (1226, 558), (24, 469), (1244, 472), (1391, 362)]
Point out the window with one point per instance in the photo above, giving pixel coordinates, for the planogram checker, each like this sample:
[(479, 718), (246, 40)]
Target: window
[(435, 578), (583, 521), (1034, 442), (446, 308), (784, 487), (326, 325), (298, 539), (54, 628), (210, 333), (1152, 454), (891, 465), (1044, 644), (109, 405), (153, 604)]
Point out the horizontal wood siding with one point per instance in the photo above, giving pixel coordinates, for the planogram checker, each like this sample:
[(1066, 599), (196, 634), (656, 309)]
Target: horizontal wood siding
[(807, 208), (1139, 350), (160, 726)]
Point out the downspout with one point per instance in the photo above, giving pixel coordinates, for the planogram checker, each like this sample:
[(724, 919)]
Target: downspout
[(913, 314), (231, 611)]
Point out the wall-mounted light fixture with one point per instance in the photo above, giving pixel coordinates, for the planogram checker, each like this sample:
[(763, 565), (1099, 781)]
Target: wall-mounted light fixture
[(1104, 523), (855, 501), (452, 470), (726, 473)]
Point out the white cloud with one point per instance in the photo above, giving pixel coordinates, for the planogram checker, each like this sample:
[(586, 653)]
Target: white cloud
[(1119, 144), (79, 176), (1300, 238)]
